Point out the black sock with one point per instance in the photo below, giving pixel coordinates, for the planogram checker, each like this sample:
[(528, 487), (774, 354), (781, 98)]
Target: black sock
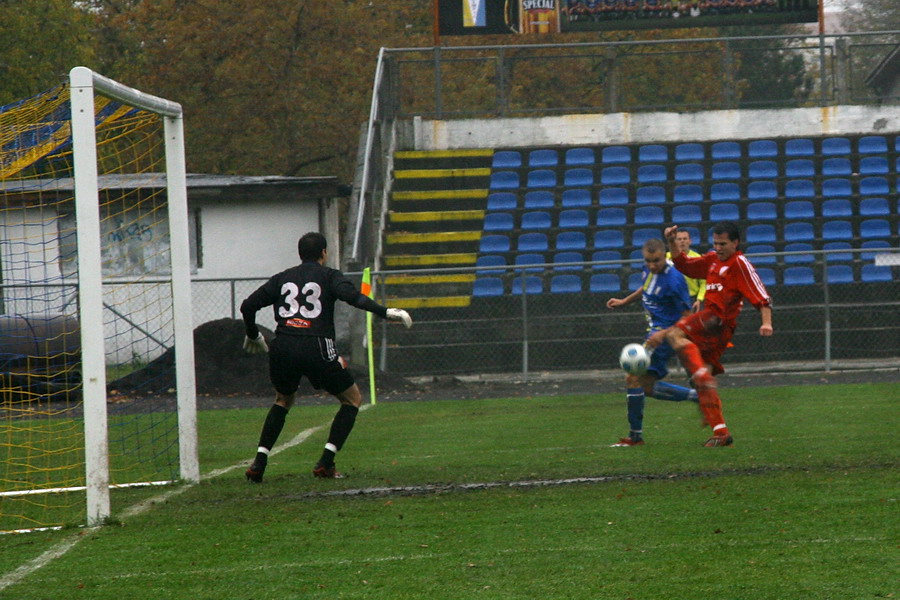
[(272, 428), (341, 427)]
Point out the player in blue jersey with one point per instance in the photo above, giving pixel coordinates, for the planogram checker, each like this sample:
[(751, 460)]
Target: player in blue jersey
[(664, 296)]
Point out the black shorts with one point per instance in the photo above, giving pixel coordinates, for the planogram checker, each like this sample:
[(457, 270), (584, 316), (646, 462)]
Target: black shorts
[(291, 357)]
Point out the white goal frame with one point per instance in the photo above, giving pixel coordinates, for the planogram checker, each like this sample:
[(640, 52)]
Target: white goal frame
[(83, 83)]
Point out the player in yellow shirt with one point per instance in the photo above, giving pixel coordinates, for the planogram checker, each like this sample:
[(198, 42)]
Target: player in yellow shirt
[(696, 287)]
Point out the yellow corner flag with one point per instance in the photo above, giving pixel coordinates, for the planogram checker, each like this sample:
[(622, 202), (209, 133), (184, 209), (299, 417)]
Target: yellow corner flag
[(366, 289)]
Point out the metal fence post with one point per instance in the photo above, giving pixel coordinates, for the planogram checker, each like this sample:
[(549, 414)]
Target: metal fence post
[(827, 319), (524, 323)]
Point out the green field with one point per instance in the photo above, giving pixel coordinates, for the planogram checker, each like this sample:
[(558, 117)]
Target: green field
[(804, 505)]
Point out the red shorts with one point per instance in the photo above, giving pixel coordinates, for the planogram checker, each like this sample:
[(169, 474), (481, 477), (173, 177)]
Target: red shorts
[(711, 335)]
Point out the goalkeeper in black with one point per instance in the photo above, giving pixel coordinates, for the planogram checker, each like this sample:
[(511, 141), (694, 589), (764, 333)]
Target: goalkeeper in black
[(302, 299)]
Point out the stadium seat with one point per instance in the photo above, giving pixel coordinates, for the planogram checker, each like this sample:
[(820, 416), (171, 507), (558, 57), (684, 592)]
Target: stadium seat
[(611, 217), (543, 158), (799, 167), (641, 235), (576, 198), (798, 258), (689, 172), (874, 165), (872, 144), (836, 188), (762, 190), (653, 153), (635, 281), (874, 246), (532, 242), (686, 213), (762, 169), (836, 167), (649, 215), (799, 209), (762, 149), (761, 211), (651, 194), (838, 207), (726, 151), (506, 159), (724, 192), (766, 275), (541, 178), (798, 276), (565, 284), (690, 151), (502, 201), (615, 176), (573, 218), (760, 234), (580, 156), (724, 211), (799, 188), (560, 258), (897, 144), (873, 186), (488, 286), (504, 180), (571, 240), (693, 232), (537, 219), (490, 260), (533, 285), (874, 207), (652, 174), (493, 243), (687, 193), (799, 147), (530, 258), (578, 177), (799, 231), (837, 230), (605, 283), (615, 154), (874, 228), (605, 256), (609, 239), (613, 196), (839, 274), (498, 221), (873, 273), (754, 250), (727, 171), (538, 199), (835, 146), (835, 252)]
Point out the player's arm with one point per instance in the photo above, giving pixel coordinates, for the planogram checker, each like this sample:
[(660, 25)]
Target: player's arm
[(765, 313), (346, 291), (619, 302), (254, 342)]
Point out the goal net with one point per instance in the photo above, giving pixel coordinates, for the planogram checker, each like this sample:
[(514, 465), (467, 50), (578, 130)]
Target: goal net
[(96, 350)]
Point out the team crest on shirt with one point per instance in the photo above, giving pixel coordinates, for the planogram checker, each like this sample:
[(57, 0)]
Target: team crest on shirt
[(722, 271)]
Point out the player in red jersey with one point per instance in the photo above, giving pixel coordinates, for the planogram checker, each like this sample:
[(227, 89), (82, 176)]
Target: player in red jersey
[(701, 338)]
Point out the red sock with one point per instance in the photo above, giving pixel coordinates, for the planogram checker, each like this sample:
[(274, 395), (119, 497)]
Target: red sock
[(690, 357), (711, 407)]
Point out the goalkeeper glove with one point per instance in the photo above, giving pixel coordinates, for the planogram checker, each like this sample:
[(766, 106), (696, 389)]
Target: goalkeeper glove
[(398, 314), (255, 346)]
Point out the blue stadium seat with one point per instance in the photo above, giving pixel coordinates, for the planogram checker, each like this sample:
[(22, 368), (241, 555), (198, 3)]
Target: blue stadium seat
[(897, 144), (761, 211), (686, 213), (541, 178), (543, 158), (493, 243), (724, 192), (578, 177), (653, 153), (536, 219), (724, 211), (580, 156), (498, 221), (488, 286), (799, 209), (836, 188), (533, 242), (615, 176), (636, 258), (490, 260), (766, 275), (502, 201), (539, 199), (635, 281), (837, 207), (799, 231), (689, 172), (798, 276), (690, 151), (839, 274), (799, 167), (560, 258), (799, 188), (874, 186), (613, 196), (835, 146), (504, 180), (726, 171), (611, 217), (565, 284), (571, 240), (533, 285), (762, 169), (873, 273), (762, 190), (652, 174), (837, 230), (607, 255), (609, 239), (874, 165), (836, 167), (649, 215), (573, 218), (872, 144), (754, 250), (835, 252), (651, 194), (799, 147), (605, 283), (726, 151), (798, 258), (762, 149), (687, 193), (576, 197), (760, 234), (874, 228), (506, 159), (642, 234), (526, 259), (874, 207), (615, 154), (874, 246)]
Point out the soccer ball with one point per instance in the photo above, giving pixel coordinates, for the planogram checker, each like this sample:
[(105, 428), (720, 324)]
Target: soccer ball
[(634, 359)]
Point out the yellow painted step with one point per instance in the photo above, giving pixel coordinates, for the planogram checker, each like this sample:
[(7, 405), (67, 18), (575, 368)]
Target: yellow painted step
[(441, 173), (439, 194), (439, 237), (438, 302), (425, 260), (436, 215), (429, 279), (468, 152)]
